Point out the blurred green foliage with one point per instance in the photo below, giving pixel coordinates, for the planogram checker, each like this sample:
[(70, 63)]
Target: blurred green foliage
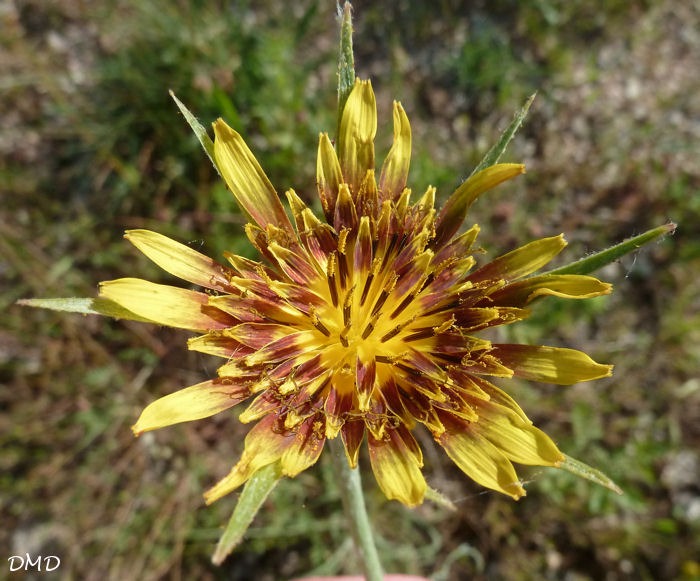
[(91, 144)]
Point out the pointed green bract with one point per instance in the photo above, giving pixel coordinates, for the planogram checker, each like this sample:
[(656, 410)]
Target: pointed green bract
[(85, 306), (440, 499), (256, 490), (604, 257), (346, 60), (198, 129), (494, 154), (582, 470)]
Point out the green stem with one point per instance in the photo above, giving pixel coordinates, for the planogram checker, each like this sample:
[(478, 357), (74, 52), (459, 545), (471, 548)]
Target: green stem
[(354, 504)]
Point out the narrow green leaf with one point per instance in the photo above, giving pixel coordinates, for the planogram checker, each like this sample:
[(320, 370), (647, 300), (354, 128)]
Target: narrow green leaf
[(439, 498), (198, 129), (346, 60), (254, 494), (585, 471), (98, 306), (494, 154), (600, 259)]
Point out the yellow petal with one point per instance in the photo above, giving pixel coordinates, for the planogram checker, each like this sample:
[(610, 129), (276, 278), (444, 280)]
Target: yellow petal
[(427, 200), (568, 286), (455, 210), (297, 344), (246, 179), (297, 205), (180, 260), (345, 211), (263, 446), (522, 261), (358, 127), (486, 364), (257, 335), (192, 403), (296, 266), (367, 199), (166, 305), (520, 441), (397, 469), (498, 396), (328, 175), (481, 461), (306, 449), (459, 247), (352, 433), (550, 364), (392, 179), (261, 406), (217, 343)]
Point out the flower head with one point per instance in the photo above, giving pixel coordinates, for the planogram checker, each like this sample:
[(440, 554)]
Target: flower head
[(362, 322)]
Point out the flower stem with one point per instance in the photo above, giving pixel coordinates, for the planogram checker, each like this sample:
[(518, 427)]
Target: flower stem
[(354, 504)]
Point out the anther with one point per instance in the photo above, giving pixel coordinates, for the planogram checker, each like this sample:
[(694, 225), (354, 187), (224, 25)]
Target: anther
[(456, 359), (342, 240), (408, 369), (365, 290), (317, 322), (427, 282), (263, 274), (330, 275), (386, 291), (448, 306), (370, 327), (342, 269), (390, 248), (391, 359), (347, 307), (445, 326), (380, 302), (421, 334), (321, 327), (396, 330), (402, 306)]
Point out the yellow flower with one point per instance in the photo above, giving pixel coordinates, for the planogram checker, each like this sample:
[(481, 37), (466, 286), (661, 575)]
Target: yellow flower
[(363, 322)]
